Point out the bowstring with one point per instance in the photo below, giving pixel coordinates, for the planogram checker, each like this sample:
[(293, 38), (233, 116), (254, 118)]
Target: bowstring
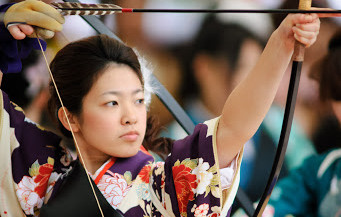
[(69, 124)]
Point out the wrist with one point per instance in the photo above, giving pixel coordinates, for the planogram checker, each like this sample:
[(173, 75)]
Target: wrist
[(282, 42)]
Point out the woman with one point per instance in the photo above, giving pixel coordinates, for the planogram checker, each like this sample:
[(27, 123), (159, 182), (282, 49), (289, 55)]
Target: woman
[(101, 85)]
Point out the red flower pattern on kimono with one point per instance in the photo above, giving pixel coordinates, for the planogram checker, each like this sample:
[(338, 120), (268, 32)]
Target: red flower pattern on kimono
[(184, 182), (145, 173), (214, 215), (42, 179)]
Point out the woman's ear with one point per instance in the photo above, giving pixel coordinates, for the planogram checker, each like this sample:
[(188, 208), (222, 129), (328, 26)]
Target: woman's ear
[(72, 123)]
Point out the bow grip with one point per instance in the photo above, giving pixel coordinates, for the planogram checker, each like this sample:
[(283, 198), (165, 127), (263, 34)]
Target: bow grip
[(299, 47)]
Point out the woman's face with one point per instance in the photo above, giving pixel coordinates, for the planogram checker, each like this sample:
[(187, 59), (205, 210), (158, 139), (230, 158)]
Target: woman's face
[(113, 117)]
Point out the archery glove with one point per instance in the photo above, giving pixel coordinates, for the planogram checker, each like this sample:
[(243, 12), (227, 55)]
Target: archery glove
[(35, 13)]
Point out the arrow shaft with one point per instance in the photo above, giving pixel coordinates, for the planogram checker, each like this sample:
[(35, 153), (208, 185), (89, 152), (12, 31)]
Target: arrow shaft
[(74, 8)]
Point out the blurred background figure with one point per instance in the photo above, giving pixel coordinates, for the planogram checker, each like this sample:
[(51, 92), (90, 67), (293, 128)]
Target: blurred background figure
[(314, 188)]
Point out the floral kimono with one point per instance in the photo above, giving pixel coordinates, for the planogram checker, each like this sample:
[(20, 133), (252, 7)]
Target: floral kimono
[(188, 183)]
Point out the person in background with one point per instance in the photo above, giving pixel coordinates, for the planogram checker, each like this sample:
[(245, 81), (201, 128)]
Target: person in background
[(314, 189)]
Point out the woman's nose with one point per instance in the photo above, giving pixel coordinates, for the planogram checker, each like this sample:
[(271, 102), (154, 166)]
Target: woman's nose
[(128, 116)]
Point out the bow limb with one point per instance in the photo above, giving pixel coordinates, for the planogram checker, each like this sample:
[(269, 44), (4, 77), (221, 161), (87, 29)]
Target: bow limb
[(69, 124), (298, 58)]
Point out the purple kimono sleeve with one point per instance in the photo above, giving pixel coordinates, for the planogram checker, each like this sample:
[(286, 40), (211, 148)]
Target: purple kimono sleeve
[(36, 160), (10, 54)]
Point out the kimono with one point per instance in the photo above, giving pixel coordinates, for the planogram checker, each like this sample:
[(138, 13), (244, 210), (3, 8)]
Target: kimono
[(316, 187), (189, 183)]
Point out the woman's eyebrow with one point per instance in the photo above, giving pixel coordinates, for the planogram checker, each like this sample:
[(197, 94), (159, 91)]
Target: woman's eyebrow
[(118, 93)]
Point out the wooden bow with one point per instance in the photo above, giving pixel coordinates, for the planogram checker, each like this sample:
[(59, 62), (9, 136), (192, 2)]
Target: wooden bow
[(298, 58)]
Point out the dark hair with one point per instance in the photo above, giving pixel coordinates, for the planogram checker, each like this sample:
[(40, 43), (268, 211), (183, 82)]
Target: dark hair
[(77, 66), (328, 71), (216, 39)]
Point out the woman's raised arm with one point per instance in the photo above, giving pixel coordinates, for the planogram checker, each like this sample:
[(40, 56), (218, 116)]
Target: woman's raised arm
[(248, 104)]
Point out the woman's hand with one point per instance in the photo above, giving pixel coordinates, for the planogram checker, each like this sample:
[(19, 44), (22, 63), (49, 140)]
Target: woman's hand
[(21, 17), (20, 31), (301, 27)]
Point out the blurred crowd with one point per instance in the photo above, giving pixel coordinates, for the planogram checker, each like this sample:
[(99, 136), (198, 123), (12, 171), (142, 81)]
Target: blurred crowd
[(200, 58)]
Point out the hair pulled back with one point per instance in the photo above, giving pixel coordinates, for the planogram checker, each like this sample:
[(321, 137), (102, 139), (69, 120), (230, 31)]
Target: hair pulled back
[(77, 66)]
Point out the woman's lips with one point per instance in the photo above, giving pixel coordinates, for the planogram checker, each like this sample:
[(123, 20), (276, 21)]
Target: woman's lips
[(130, 136)]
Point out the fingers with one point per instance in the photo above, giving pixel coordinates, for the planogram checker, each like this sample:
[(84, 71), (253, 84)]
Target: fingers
[(306, 38), (303, 34), (26, 29), (20, 31), (44, 21), (303, 18), (306, 28), (311, 27), (46, 9), (35, 13)]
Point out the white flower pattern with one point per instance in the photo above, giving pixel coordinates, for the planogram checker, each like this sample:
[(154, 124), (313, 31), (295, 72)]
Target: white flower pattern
[(203, 176), (114, 188), (202, 210), (28, 198), (143, 191)]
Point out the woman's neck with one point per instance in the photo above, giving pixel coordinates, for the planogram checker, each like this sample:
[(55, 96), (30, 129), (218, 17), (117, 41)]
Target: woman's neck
[(93, 162), (92, 158)]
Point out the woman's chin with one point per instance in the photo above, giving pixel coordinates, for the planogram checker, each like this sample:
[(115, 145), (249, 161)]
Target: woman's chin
[(129, 153)]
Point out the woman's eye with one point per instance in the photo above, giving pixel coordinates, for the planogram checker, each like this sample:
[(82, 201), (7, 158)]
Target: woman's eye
[(140, 101), (112, 103)]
